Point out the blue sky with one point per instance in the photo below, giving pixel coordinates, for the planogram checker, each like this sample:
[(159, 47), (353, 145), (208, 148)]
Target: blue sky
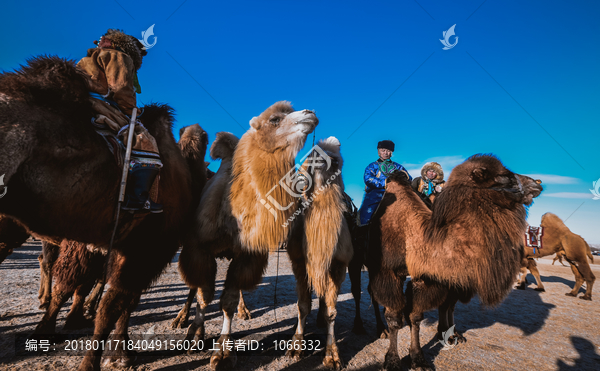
[(522, 82)]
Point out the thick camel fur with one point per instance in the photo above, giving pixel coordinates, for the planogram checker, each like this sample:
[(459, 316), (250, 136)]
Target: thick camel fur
[(559, 239), (470, 244), (60, 169)]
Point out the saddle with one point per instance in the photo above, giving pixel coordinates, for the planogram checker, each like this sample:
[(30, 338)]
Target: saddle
[(533, 237)]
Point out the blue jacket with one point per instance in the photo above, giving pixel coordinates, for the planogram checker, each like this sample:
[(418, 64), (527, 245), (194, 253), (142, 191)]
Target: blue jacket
[(374, 179)]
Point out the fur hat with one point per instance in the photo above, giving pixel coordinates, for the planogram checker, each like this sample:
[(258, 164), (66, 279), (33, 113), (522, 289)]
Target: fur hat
[(435, 167), (128, 44), (386, 144)]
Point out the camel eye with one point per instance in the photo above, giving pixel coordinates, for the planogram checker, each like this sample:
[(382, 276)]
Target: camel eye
[(275, 119)]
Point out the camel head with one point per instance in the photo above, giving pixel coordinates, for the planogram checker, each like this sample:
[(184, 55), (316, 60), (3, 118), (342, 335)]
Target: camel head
[(193, 139), (280, 128), (328, 161), (486, 172), (224, 146)]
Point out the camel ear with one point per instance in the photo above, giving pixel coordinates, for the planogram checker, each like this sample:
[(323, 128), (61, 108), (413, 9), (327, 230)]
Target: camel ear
[(479, 174), (255, 123)]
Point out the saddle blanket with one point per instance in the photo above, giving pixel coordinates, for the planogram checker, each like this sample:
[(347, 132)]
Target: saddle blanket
[(533, 237)]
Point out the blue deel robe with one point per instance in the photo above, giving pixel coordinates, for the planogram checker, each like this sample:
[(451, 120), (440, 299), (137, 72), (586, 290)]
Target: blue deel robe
[(375, 188)]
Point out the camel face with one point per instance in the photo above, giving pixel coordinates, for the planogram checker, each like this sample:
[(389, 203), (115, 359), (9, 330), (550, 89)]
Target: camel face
[(487, 172), (280, 127)]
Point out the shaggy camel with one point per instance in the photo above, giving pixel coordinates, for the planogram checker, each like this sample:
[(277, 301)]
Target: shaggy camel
[(558, 237), (470, 244), (58, 169), (235, 218), (91, 260)]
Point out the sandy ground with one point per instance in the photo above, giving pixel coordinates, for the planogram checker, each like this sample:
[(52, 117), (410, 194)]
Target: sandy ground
[(530, 330)]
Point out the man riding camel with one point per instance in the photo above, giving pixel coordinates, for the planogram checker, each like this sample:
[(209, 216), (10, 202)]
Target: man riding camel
[(376, 178), (112, 68)]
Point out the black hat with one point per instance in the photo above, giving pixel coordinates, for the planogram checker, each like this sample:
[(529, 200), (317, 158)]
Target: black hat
[(386, 144)]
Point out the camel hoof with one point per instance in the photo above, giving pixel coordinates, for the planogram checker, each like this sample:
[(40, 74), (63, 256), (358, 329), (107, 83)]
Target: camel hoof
[(520, 287), (244, 314), (119, 362), (570, 294), (540, 289), (224, 358), (179, 322), (294, 351), (586, 297), (457, 338), (195, 334), (392, 362), (332, 358), (418, 363)]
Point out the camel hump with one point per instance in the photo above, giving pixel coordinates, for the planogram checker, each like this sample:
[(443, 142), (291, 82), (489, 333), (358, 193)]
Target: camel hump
[(223, 146), (48, 81)]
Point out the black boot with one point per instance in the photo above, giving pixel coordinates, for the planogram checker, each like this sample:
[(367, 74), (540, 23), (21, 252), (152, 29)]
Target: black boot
[(137, 193)]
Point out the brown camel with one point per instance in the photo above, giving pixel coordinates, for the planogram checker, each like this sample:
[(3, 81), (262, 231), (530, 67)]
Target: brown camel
[(245, 213), (559, 256), (558, 239), (90, 260), (470, 244), (63, 184)]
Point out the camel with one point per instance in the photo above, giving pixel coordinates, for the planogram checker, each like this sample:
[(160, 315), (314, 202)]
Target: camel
[(91, 260), (558, 239), (63, 184), (559, 256), (245, 213), (470, 244)]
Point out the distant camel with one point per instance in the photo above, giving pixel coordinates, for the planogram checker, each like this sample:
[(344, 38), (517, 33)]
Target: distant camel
[(559, 239)]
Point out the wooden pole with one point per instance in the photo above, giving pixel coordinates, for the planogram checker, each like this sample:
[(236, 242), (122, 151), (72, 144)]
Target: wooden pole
[(127, 157)]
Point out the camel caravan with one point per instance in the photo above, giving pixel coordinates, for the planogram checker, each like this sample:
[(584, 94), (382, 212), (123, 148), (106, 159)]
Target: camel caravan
[(113, 196)]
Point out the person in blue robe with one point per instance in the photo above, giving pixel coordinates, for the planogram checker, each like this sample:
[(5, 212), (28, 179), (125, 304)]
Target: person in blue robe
[(375, 178)]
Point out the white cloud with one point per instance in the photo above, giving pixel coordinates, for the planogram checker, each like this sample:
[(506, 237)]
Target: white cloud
[(554, 179), (568, 195)]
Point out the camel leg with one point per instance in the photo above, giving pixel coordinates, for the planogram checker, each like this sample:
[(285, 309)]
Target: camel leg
[(93, 300), (337, 273), (49, 255), (416, 295), (532, 266), (394, 319), (59, 296), (446, 314), (522, 284), (205, 296), (242, 309), (304, 306), (244, 273), (354, 271), (382, 331), (322, 314), (121, 357), (112, 307), (76, 317), (587, 274), (204, 278), (182, 317), (578, 281)]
